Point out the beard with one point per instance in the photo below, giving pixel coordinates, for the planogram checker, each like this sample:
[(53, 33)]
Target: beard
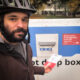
[(10, 36)]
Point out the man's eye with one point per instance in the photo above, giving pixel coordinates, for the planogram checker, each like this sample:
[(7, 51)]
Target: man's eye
[(25, 20), (12, 19)]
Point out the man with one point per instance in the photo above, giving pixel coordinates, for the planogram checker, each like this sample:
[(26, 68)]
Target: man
[(15, 51)]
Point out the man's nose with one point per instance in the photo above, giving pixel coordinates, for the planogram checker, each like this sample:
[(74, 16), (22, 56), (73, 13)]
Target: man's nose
[(20, 23)]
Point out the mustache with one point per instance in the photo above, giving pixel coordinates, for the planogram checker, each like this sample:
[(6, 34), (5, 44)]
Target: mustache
[(20, 30)]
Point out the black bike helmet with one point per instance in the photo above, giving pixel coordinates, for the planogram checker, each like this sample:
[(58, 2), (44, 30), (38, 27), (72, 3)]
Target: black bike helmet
[(16, 5)]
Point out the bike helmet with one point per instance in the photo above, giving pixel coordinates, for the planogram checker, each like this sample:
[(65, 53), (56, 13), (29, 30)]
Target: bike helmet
[(16, 5)]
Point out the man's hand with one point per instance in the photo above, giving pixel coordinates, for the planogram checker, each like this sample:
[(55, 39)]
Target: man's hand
[(47, 69)]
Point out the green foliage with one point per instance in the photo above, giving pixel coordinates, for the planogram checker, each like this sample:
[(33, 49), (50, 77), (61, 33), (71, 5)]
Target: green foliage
[(70, 6), (38, 3)]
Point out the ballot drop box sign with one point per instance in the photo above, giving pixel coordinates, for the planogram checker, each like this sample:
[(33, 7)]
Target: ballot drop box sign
[(60, 37)]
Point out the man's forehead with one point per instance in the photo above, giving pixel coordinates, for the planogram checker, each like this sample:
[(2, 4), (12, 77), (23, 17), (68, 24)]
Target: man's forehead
[(17, 14)]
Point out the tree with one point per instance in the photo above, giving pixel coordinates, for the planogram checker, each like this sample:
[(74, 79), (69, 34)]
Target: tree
[(38, 3), (63, 3), (71, 5), (74, 6)]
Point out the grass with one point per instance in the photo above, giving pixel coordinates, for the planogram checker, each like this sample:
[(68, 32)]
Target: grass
[(49, 17)]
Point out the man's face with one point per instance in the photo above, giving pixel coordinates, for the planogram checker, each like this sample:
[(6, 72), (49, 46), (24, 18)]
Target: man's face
[(15, 26)]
